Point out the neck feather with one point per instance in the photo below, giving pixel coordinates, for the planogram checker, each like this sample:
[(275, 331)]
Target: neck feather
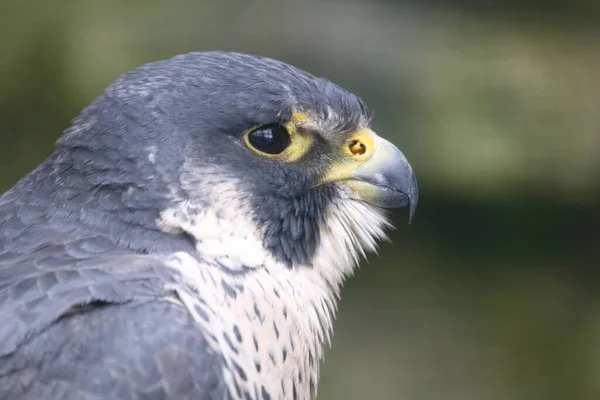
[(283, 315)]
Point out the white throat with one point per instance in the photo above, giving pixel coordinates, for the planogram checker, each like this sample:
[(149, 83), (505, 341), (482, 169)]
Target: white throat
[(248, 294)]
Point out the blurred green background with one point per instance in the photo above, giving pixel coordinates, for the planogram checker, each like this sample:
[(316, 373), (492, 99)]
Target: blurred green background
[(492, 293)]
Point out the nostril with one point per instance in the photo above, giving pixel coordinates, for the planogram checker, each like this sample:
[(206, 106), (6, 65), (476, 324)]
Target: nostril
[(357, 148)]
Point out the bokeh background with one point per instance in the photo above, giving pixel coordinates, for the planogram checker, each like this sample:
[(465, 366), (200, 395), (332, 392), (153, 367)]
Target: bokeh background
[(493, 291)]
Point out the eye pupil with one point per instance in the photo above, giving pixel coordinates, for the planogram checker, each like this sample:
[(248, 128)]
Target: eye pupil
[(270, 139)]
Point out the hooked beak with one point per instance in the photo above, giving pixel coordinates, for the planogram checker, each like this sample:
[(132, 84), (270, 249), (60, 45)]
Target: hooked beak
[(380, 175), (385, 179)]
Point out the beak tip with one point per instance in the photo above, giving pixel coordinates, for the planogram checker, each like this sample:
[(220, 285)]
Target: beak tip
[(411, 211), (413, 199)]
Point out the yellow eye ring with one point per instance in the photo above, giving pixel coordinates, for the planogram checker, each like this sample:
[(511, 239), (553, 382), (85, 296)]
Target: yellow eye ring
[(270, 139), (286, 142)]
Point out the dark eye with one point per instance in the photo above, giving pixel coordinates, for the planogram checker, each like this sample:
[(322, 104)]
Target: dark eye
[(270, 139)]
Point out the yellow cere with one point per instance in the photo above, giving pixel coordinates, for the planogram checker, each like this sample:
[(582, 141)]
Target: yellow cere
[(360, 145), (358, 148)]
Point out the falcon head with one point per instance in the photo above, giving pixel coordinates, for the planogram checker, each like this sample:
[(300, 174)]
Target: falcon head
[(238, 158)]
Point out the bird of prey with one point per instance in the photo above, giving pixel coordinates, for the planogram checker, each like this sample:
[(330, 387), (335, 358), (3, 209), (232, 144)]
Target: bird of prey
[(189, 235)]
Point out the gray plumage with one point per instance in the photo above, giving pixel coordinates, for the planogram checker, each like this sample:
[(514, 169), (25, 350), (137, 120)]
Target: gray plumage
[(145, 258), (85, 319)]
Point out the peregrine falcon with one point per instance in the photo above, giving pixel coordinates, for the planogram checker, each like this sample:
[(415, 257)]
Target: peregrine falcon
[(189, 236)]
